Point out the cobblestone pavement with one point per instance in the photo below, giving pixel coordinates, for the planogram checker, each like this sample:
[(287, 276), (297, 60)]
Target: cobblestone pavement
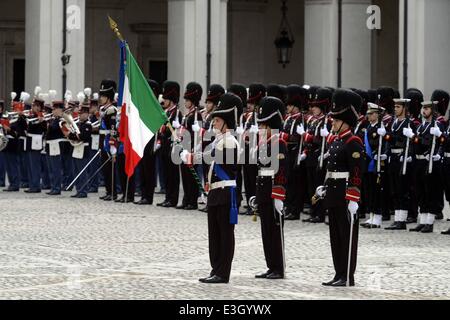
[(63, 248)]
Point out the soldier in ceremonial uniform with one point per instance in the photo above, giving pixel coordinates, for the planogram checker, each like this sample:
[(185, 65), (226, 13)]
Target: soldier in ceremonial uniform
[(241, 91), (428, 140), (192, 124), (222, 199), (171, 97), (271, 186), (400, 153), (108, 136), (148, 161), (296, 187), (317, 131), (343, 185), (54, 138), (81, 146), (35, 132), (446, 169), (250, 168), (2, 156), (414, 107), (94, 119), (375, 146)]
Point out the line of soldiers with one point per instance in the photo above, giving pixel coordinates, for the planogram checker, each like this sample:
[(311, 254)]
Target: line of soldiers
[(405, 156)]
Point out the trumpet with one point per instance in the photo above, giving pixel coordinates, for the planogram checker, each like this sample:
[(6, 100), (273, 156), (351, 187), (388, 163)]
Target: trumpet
[(46, 117)]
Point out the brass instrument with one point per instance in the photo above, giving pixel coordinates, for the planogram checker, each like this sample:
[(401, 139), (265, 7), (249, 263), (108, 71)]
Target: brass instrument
[(3, 139), (69, 125), (46, 117)]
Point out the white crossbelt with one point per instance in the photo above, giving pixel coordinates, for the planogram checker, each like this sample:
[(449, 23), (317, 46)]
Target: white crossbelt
[(337, 175), (266, 173), (396, 151), (447, 155), (222, 184), (103, 132), (421, 157)]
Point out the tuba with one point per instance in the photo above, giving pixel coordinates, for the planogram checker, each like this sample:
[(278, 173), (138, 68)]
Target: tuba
[(69, 125), (3, 138)]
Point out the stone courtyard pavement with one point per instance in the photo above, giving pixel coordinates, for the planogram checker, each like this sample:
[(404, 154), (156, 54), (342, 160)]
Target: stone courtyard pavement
[(63, 248)]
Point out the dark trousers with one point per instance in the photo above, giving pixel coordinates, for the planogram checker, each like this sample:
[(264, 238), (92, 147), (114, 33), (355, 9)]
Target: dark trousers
[(429, 187), (161, 171), (250, 174), (45, 174), (55, 166), (108, 174), (148, 176), (79, 165), (221, 240), (340, 240), (172, 177), (24, 171), (124, 180), (2, 169), (190, 186), (271, 237), (34, 165), (399, 185), (12, 162), (315, 179), (67, 164), (95, 181), (374, 192), (296, 185), (413, 207)]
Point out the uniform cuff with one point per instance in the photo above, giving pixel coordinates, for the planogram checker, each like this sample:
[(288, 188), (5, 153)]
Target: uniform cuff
[(278, 193), (352, 195)]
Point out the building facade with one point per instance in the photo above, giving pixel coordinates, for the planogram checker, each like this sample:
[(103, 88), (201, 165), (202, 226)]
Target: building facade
[(169, 39)]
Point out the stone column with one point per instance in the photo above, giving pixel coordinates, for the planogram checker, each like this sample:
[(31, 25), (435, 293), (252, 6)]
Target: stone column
[(187, 41), (44, 44), (428, 45), (321, 43)]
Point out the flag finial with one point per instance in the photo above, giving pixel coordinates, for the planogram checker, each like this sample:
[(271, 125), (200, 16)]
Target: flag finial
[(115, 28)]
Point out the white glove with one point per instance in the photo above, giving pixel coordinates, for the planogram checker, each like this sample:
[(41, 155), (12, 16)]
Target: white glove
[(435, 131), (302, 157), (176, 124), (278, 206), (382, 157), (300, 130), (157, 146), (409, 159), (324, 132), (436, 157), (353, 207), (184, 156), (407, 132), (195, 127), (254, 129), (239, 130), (381, 132), (325, 156)]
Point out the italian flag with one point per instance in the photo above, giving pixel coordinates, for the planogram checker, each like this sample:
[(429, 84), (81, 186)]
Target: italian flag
[(141, 114)]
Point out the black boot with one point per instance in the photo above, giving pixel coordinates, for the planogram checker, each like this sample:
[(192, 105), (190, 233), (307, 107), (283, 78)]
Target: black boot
[(397, 225), (418, 228), (447, 232), (428, 228)]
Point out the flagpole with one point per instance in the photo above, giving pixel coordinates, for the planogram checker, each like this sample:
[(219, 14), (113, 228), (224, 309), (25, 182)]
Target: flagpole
[(126, 190), (115, 28)]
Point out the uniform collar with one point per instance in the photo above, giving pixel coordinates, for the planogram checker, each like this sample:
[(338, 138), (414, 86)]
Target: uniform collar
[(344, 134)]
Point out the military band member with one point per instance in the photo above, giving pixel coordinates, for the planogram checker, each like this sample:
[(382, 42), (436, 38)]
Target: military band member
[(171, 97), (192, 124), (35, 132), (296, 186), (400, 153), (108, 136), (428, 142), (250, 168), (343, 185), (222, 199), (81, 146), (271, 186), (54, 138), (2, 156)]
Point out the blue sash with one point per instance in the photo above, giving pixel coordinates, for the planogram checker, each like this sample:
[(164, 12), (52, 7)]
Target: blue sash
[(369, 152), (233, 210)]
